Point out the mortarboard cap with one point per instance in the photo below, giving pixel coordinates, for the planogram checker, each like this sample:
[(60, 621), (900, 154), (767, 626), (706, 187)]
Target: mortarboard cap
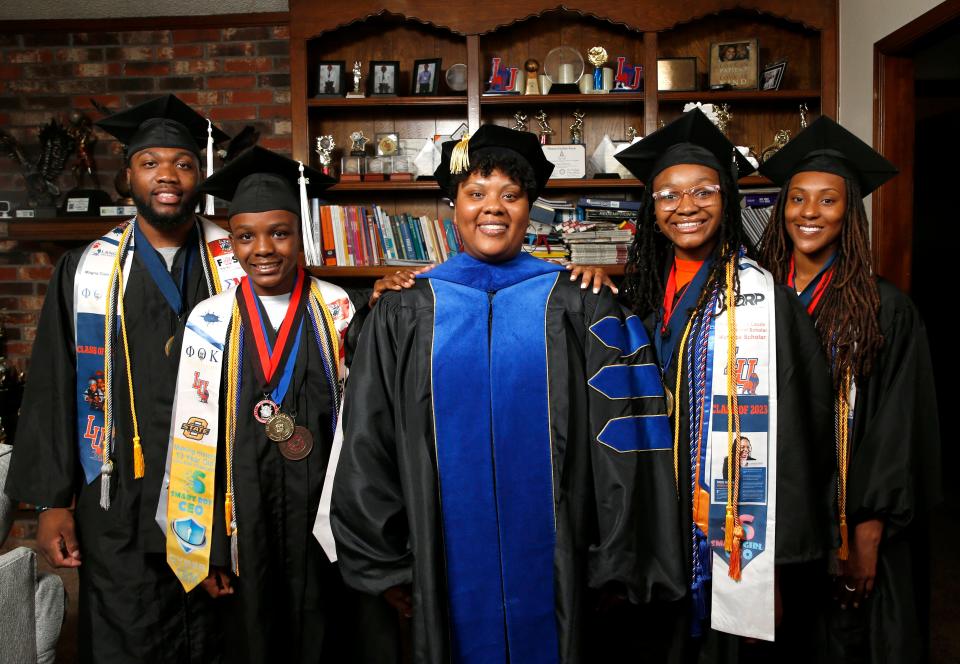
[(690, 139), (826, 146), (260, 180), (493, 139), (164, 122)]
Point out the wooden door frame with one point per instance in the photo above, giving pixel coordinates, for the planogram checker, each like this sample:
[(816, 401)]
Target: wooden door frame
[(894, 119)]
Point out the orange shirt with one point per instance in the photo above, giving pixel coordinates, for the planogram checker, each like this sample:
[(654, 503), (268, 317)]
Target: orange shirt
[(686, 271)]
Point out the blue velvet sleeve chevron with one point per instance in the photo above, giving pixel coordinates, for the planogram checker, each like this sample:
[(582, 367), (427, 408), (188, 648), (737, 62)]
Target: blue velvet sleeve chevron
[(628, 374)]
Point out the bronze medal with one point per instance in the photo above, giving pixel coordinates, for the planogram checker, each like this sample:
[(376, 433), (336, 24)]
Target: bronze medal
[(279, 427), (167, 347), (668, 397), (298, 446)]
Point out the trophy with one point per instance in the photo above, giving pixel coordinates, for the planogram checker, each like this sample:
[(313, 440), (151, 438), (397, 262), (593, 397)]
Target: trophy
[(597, 56), (803, 115), (356, 93), (627, 77), (324, 149), (503, 79), (780, 139), (358, 144), (532, 67), (563, 67), (40, 174), (520, 121), (545, 130), (632, 134), (723, 117), (576, 129)]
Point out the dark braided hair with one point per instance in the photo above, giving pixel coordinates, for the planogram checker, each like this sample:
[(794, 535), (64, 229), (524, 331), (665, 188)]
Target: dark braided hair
[(643, 285), (847, 318)]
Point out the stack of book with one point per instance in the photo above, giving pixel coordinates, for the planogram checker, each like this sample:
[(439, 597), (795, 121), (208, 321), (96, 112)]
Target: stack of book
[(604, 231), (352, 235)]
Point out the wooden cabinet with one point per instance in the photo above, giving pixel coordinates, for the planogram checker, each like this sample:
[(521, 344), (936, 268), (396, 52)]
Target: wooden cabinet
[(472, 33)]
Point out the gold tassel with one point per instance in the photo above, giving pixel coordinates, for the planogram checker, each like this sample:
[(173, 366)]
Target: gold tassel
[(228, 512), (728, 530), (460, 157), (735, 562), (139, 467), (844, 552)]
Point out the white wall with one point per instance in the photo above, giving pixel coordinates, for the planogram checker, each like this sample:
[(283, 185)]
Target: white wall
[(862, 23), (49, 9)]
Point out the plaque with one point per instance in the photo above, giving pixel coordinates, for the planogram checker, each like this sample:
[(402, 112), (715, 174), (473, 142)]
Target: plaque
[(569, 161), (735, 64), (676, 74)]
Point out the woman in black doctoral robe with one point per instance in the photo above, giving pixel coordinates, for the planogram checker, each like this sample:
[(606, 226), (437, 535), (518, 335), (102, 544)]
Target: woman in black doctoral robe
[(689, 250), (887, 433), (506, 455)]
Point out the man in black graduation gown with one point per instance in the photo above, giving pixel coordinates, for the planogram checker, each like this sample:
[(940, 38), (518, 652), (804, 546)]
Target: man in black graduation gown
[(132, 608), (506, 447)]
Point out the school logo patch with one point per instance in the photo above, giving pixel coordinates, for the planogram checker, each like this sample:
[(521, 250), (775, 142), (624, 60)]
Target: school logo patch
[(190, 534), (195, 428), (201, 386)]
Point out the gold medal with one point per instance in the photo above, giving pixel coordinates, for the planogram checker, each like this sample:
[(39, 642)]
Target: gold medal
[(668, 397), (298, 446), (279, 427)]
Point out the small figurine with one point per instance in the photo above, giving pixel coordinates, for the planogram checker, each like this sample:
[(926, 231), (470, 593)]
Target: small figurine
[(356, 93), (545, 130), (81, 130), (520, 121), (803, 115), (576, 129), (723, 117)]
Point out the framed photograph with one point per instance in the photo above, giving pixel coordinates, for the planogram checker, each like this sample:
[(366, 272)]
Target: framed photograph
[(426, 77), (330, 78), (735, 64), (676, 74), (388, 144), (383, 77), (773, 75)]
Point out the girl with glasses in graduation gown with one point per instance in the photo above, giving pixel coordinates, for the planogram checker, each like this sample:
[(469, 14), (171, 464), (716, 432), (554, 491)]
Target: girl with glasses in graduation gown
[(887, 433), (690, 278)]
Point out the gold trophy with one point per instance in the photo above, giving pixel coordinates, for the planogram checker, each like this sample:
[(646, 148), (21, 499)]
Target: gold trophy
[(532, 67), (597, 56)]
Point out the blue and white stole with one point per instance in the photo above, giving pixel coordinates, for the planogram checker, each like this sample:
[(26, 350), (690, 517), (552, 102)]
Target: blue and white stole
[(494, 454), (742, 597), (96, 303)]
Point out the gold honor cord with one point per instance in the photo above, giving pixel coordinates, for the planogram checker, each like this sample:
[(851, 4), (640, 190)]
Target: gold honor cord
[(676, 409), (233, 372), (317, 304), (115, 284), (733, 531), (843, 460)]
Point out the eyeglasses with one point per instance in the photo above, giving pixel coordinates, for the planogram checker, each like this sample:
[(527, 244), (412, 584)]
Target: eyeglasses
[(703, 195)]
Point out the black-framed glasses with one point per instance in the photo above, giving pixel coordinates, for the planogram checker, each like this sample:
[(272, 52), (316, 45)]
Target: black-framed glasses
[(703, 195)]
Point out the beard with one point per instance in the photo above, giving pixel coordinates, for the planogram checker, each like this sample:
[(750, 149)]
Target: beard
[(182, 214)]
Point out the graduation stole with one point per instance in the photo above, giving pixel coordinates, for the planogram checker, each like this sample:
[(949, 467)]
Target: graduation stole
[(811, 295), (491, 418), (185, 510), (98, 305), (728, 354)]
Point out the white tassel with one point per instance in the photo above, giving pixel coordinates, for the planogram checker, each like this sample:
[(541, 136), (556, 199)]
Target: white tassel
[(306, 227), (234, 551), (208, 206), (105, 472)]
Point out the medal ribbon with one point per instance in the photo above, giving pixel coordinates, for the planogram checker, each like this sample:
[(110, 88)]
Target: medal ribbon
[(157, 268), (271, 357), (810, 297)]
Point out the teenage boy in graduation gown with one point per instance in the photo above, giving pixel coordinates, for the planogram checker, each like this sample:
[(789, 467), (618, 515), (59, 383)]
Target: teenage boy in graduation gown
[(132, 609), (888, 457), (506, 457), (691, 222), (279, 597)]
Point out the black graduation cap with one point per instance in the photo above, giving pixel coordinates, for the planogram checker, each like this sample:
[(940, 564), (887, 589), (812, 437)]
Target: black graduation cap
[(164, 122), (828, 147), (690, 139), (492, 138), (260, 180)]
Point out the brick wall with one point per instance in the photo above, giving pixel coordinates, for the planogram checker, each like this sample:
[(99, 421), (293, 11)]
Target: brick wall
[(235, 75)]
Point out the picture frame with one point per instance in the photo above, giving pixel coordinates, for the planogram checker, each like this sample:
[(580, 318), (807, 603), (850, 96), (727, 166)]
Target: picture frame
[(330, 78), (773, 75), (677, 74), (426, 77), (383, 78), (735, 64)]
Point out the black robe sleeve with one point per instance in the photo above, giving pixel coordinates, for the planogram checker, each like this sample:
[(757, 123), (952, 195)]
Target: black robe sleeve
[(637, 511), (368, 517), (805, 448), (45, 469), (895, 454)]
